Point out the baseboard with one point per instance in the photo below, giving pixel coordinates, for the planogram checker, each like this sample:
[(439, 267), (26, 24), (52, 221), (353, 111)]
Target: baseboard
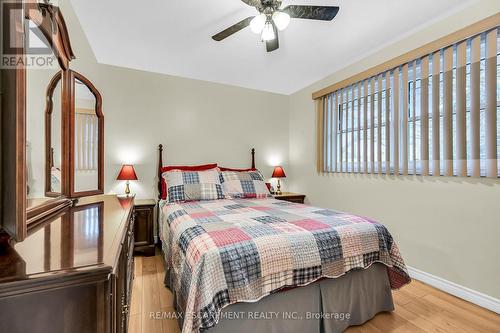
[(457, 290)]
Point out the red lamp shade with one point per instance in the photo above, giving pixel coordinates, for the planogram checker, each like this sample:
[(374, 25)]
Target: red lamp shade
[(278, 172), (127, 173)]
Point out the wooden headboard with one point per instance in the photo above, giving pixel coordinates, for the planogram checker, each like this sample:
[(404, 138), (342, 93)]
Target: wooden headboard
[(160, 166)]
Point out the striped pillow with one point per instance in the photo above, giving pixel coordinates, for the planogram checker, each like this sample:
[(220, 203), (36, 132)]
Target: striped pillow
[(244, 184), (193, 185)]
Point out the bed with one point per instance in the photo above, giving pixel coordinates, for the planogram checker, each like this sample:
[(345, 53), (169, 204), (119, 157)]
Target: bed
[(260, 264)]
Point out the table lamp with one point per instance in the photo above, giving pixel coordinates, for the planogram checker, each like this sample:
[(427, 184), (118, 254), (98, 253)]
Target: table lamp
[(278, 173), (127, 173)]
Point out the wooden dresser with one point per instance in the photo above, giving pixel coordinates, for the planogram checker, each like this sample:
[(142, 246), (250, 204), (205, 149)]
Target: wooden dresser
[(74, 274)]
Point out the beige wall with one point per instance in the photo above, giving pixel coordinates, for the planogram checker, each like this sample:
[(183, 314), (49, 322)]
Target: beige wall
[(196, 121), (448, 227)]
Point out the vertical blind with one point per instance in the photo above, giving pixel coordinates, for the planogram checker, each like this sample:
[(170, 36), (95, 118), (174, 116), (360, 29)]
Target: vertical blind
[(435, 115), (86, 133)]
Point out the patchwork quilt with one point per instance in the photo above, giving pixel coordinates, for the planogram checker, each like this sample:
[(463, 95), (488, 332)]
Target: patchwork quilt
[(221, 252)]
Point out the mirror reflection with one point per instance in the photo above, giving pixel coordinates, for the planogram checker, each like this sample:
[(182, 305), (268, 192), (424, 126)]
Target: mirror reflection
[(86, 139), (37, 80), (76, 238), (88, 231)]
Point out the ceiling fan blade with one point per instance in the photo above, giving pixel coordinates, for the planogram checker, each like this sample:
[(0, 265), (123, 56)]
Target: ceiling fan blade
[(253, 3), (323, 13), (232, 29), (273, 45)]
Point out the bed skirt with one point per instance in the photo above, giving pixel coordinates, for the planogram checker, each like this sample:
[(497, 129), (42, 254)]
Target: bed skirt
[(325, 306)]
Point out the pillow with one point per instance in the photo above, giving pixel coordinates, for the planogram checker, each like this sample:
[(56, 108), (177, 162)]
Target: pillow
[(193, 185), (244, 184), (183, 168)]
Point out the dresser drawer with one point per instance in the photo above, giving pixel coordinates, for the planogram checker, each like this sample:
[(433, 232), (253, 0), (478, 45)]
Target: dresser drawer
[(124, 277)]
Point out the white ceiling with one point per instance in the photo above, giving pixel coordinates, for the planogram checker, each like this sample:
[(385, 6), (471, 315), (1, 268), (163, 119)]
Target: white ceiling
[(173, 37)]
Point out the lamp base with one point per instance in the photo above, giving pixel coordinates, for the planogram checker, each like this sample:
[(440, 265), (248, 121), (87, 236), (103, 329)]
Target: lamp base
[(127, 189), (278, 188)]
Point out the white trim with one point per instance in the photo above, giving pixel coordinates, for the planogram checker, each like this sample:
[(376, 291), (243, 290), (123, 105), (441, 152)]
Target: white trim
[(457, 290)]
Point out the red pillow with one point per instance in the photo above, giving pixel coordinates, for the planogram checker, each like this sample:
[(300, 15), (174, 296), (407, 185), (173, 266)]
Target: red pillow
[(183, 168), (237, 170)]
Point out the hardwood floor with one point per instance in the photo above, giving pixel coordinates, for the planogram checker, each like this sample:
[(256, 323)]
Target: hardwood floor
[(419, 308)]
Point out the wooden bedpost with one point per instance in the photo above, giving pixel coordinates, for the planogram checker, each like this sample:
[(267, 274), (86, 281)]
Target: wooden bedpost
[(253, 158), (160, 165)]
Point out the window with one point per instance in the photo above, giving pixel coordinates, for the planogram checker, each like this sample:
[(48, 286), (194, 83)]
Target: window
[(436, 115), (87, 125)]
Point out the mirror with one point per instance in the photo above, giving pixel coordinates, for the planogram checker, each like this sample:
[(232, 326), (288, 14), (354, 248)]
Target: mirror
[(88, 139), (39, 45), (37, 80), (53, 137)]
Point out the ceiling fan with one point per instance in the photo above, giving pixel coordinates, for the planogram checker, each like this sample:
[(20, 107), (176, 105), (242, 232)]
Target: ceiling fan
[(271, 19)]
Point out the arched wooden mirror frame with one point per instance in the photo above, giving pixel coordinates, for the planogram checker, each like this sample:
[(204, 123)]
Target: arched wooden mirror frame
[(72, 76), (51, 23), (16, 219)]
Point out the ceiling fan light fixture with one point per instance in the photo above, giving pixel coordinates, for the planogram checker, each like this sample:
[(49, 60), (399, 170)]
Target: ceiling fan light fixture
[(268, 32), (257, 23), (271, 19), (281, 20)]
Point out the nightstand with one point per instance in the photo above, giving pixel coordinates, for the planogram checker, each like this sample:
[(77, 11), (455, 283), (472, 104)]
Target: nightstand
[(289, 196), (143, 227)]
